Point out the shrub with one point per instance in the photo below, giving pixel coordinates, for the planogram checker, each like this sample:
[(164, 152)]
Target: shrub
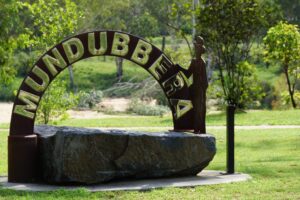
[(89, 100), (23, 62), (142, 108), (55, 102), (9, 91), (269, 97), (6, 93), (109, 110)]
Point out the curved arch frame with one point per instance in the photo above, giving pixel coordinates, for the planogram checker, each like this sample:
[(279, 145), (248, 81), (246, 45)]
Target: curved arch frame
[(174, 80)]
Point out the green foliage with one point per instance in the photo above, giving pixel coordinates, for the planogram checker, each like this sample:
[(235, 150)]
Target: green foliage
[(89, 99), (282, 45), (229, 27), (127, 15), (145, 25), (23, 62), (181, 15), (250, 89), (9, 21), (9, 91), (55, 102), (142, 108), (52, 21), (291, 10), (269, 97), (286, 100), (180, 56), (160, 10)]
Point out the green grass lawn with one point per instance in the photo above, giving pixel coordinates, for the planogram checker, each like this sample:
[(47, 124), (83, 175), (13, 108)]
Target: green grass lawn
[(254, 117), (259, 117), (94, 73), (271, 157)]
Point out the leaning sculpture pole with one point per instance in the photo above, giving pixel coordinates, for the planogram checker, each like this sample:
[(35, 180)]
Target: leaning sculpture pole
[(184, 88)]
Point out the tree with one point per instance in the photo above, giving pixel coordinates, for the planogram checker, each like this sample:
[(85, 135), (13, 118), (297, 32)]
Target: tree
[(161, 11), (282, 45), (55, 102), (228, 27), (52, 21), (133, 16), (291, 10), (10, 38)]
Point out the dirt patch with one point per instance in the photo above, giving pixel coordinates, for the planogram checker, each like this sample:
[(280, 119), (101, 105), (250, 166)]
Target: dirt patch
[(5, 112), (116, 104)]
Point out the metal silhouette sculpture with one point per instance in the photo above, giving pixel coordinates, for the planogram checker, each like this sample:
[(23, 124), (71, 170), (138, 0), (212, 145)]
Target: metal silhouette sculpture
[(198, 89), (184, 88)]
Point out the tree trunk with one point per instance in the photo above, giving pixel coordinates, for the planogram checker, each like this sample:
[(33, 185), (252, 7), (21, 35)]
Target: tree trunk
[(163, 43), (230, 138), (209, 67), (291, 90), (71, 75), (119, 65)]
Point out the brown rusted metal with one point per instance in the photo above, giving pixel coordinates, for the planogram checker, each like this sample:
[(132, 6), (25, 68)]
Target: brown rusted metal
[(184, 88), (199, 87), (21, 124), (22, 158)]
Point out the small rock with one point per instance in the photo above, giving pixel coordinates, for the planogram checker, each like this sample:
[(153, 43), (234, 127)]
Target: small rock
[(89, 156)]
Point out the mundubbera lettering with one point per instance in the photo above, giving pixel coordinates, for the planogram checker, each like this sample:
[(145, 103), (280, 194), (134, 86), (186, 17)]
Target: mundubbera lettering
[(173, 84), (74, 50), (30, 101), (51, 62), (42, 75), (181, 107), (189, 81), (73, 56), (103, 44), (141, 52), (120, 44), (160, 67)]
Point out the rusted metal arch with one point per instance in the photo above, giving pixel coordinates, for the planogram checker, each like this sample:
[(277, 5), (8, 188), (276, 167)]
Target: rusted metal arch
[(175, 81)]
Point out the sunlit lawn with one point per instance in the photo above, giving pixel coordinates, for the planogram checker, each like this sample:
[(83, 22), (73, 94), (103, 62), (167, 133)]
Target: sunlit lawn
[(271, 157), (260, 117), (257, 117)]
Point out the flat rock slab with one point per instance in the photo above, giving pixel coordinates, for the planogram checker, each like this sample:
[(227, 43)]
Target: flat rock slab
[(206, 177), (90, 156)]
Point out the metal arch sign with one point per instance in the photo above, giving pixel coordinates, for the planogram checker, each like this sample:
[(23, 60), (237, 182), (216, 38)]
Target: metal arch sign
[(178, 84), (174, 80)]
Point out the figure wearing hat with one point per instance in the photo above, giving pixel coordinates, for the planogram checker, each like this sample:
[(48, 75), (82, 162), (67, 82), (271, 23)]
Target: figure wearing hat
[(199, 87)]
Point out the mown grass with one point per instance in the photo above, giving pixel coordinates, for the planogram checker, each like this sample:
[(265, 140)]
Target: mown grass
[(271, 157), (100, 74), (249, 118), (257, 117), (4, 125), (95, 73)]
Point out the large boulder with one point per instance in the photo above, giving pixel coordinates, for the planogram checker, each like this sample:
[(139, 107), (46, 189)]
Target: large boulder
[(81, 155)]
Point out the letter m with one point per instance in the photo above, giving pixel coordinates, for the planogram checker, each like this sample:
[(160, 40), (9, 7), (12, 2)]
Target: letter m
[(30, 101)]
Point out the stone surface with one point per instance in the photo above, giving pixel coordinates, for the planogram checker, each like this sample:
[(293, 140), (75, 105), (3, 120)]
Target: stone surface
[(89, 156), (204, 178)]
